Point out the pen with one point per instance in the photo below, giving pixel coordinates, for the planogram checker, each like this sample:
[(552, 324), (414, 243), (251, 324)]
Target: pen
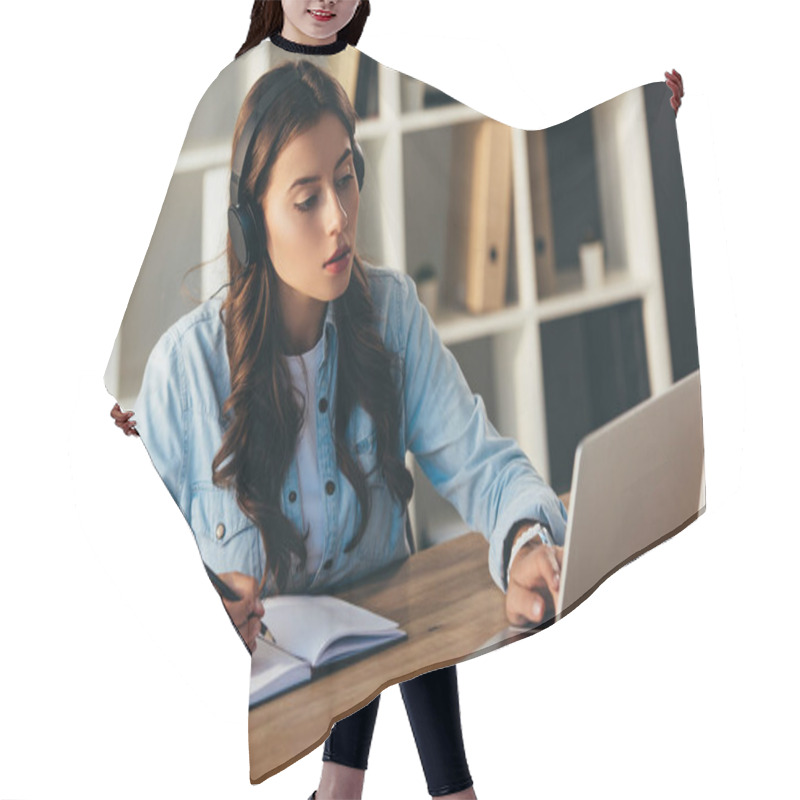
[(227, 593), (265, 634), (224, 590)]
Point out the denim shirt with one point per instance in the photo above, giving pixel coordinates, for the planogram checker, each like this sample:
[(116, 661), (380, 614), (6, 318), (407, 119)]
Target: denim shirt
[(486, 477)]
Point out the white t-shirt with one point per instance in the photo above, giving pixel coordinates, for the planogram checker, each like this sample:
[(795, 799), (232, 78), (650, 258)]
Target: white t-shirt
[(303, 369)]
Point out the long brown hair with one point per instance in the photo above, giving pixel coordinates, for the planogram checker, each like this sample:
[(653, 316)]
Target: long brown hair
[(266, 19), (263, 417)]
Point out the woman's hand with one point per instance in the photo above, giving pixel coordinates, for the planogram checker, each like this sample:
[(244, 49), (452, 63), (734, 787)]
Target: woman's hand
[(245, 613), (533, 584), (675, 82), (124, 420)]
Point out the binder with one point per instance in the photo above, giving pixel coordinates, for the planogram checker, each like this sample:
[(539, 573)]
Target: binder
[(479, 215), (344, 67), (542, 213)]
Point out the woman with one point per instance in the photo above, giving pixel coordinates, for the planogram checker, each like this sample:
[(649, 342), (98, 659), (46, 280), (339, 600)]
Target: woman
[(279, 418), (283, 313)]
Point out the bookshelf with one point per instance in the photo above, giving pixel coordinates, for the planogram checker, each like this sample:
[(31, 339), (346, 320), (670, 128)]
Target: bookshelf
[(403, 223)]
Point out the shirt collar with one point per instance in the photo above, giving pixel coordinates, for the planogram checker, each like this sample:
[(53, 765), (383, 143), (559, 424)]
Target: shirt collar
[(330, 314), (329, 329), (308, 49)]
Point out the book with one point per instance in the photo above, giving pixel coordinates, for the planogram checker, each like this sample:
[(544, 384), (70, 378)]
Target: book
[(312, 631)]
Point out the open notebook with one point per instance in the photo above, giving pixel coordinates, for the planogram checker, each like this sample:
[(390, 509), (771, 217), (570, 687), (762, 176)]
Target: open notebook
[(311, 631)]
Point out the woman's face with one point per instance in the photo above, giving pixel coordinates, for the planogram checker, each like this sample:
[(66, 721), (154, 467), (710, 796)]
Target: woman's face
[(310, 213), (316, 21)]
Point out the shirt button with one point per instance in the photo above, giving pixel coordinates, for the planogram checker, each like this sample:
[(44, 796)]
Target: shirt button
[(292, 496), (330, 487), (220, 532), (328, 564), (323, 405)]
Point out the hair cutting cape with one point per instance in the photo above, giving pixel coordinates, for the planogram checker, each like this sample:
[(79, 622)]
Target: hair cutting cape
[(536, 286)]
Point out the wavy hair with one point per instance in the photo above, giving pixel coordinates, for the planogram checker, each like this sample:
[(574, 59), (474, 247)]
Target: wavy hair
[(266, 19), (263, 415)]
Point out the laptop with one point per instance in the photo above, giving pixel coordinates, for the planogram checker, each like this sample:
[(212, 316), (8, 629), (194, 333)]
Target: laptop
[(636, 481)]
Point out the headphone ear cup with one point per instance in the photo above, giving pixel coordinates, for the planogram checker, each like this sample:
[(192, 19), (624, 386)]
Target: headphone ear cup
[(244, 230), (358, 162)]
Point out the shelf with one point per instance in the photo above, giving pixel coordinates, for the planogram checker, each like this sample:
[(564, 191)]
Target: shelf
[(617, 289), (456, 326), (218, 153), (440, 117)]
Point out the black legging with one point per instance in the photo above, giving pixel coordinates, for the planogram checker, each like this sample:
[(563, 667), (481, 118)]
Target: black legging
[(432, 706)]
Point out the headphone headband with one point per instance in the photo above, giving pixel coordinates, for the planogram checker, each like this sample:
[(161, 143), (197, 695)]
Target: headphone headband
[(251, 127)]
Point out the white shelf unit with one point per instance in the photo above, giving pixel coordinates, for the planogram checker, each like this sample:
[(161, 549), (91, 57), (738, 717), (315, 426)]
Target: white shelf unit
[(501, 348)]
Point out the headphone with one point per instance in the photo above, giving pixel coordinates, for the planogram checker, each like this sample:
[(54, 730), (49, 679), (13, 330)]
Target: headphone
[(245, 218)]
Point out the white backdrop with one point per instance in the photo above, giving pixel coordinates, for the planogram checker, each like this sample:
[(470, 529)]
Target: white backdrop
[(120, 674)]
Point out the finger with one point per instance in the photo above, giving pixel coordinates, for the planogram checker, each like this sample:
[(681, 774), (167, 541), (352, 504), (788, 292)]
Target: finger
[(674, 88), (256, 612), (237, 610), (524, 606), (536, 569), (247, 588), (525, 570), (550, 571), (238, 614), (674, 77), (250, 631)]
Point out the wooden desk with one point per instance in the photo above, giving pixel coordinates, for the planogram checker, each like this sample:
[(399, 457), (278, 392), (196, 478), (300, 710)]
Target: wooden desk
[(451, 609), (447, 603)]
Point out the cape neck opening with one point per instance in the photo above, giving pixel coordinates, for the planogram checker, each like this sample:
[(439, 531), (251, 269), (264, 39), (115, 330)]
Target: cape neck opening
[(308, 49)]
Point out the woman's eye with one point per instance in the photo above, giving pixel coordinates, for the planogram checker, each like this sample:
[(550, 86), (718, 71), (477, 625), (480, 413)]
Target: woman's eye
[(307, 205)]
